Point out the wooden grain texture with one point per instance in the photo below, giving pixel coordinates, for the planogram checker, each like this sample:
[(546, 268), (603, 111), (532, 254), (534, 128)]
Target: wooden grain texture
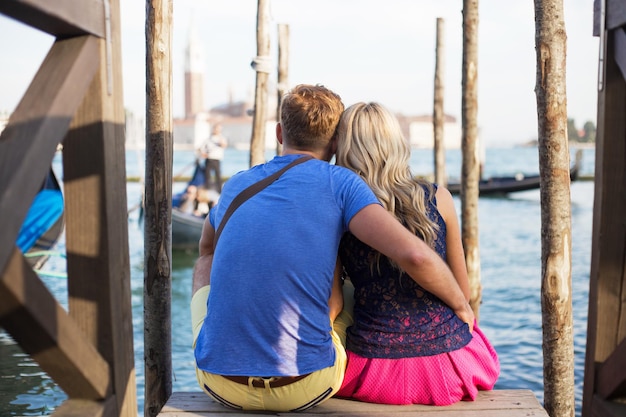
[(615, 15), (60, 18), (500, 403), (37, 126), (157, 288), (612, 374), (44, 330), (438, 107), (470, 168), (98, 265), (283, 72), (604, 408), (257, 141), (606, 324), (556, 227), (83, 408)]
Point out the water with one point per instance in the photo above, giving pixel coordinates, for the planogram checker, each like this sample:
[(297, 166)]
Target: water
[(510, 314)]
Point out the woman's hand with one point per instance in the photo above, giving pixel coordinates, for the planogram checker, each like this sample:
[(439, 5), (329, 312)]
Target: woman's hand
[(467, 315)]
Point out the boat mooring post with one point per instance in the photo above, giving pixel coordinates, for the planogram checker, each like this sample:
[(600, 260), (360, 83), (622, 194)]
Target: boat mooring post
[(283, 71), (438, 108), (556, 227), (262, 65), (470, 169), (158, 207)]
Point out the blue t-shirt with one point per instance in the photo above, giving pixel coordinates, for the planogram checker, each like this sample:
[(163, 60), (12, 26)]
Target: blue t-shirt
[(272, 272)]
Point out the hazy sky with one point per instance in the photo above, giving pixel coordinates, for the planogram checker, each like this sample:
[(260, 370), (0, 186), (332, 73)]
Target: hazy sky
[(365, 50)]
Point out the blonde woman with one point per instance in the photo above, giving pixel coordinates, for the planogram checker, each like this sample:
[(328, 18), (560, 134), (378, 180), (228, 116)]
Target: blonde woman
[(406, 345)]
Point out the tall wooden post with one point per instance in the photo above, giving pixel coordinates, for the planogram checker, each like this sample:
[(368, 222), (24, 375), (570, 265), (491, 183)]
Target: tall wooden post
[(262, 66), (605, 369), (556, 232), (438, 111), (470, 171), (158, 207), (283, 71)]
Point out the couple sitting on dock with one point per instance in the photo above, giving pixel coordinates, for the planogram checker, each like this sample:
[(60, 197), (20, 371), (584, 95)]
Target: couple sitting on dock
[(343, 280)]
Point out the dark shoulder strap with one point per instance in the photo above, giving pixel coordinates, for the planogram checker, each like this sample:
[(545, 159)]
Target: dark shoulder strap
[(252, 190)]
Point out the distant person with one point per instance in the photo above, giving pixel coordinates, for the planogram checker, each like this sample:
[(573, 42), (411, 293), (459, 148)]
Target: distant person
[(407, 345), (213, 153), (189, 200), (206, 200), (264, 297)]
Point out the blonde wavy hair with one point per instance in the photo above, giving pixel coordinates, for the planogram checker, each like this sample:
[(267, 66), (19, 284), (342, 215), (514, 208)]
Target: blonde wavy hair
[(370, 142)]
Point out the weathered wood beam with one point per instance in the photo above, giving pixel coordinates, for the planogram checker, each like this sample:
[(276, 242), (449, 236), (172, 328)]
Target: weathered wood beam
[(37, 126), (605, 408), (157, 293), (98, 264), (496, 403), (606, 323), (60, 18), (615, 15), (611, 375), (81, 408), (43, 329), (620, 50)]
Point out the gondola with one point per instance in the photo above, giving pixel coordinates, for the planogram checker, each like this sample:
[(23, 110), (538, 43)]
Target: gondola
[(187, 226), (511, 184), (43, 224)]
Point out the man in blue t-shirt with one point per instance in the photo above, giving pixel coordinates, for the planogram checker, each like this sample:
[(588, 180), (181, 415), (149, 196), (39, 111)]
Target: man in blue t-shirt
[(268, 325)]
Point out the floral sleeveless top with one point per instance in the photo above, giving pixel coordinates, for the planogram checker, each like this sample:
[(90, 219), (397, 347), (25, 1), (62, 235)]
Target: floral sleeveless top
[(393, 316)]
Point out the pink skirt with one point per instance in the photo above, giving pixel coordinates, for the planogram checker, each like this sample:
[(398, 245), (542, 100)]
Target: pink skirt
[(442, 379)]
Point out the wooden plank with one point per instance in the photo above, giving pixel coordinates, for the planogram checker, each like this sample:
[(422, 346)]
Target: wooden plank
[(37, 126), (607, 298), (615, 15), (604, 408), (509, 403), (44, 330), (610, 244), (611, 379), (620, 49), (60, 18), (98, 264), (81, 408)]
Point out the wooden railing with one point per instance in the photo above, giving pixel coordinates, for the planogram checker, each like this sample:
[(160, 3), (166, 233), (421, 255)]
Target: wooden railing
[(74, 99), (604, 392)]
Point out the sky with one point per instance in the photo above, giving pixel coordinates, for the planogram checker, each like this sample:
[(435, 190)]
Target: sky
[(365, 50)]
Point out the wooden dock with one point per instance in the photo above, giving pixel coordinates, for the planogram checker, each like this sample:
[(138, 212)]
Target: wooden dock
[(498, 403)]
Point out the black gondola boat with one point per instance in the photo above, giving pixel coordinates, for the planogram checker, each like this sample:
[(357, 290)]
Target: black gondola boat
[(511, 184)]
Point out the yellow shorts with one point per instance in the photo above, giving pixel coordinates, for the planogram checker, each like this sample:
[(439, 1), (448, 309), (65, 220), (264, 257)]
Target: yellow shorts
[(308, 392)]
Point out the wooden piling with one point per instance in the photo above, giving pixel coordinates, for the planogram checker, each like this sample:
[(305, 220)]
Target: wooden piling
[(470, 170), (556, 231), (438, 109), (158, 207), (283, 71), (261, 65)]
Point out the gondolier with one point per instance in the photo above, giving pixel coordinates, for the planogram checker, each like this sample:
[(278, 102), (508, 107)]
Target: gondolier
[(213, 153)]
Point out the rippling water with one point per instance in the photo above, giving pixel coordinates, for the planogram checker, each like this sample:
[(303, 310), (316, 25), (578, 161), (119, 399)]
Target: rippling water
[(510, 314)]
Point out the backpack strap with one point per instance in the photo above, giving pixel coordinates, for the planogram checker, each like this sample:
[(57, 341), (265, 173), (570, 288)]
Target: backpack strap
[(251, 191)]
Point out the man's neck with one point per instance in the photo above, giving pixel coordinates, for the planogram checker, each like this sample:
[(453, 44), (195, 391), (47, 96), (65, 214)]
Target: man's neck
[(316, 155)]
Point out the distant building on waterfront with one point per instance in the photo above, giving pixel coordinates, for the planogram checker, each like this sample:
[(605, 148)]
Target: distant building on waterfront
[(194, 75), (419, 131), (234, 116)]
